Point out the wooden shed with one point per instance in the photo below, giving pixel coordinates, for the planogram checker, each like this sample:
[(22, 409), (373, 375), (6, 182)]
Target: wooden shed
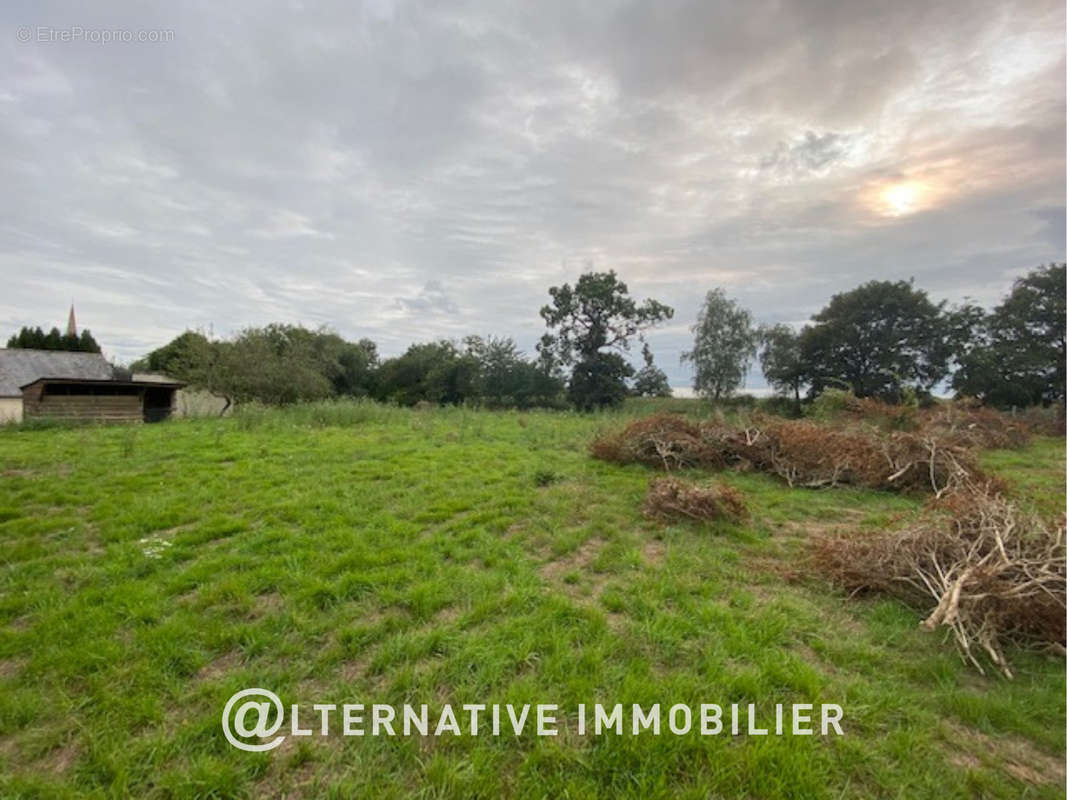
[(106, 401), (67, 385)]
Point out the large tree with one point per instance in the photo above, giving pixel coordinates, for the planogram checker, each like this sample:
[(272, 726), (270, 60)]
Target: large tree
[(881, 339), (590, 325), (723, 348), (1016, 356)]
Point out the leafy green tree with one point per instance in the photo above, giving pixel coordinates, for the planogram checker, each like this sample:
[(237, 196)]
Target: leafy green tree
[(173, 356), (588, 321), (434, 372), (277, 364), (599, 381), (782, 362), (1015, 355), (356, 365), (506, 378), (883, 339), (724, 346), (650, 380)]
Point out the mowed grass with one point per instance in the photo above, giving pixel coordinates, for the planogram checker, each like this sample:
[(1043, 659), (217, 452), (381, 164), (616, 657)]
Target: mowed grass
[(361, 554)]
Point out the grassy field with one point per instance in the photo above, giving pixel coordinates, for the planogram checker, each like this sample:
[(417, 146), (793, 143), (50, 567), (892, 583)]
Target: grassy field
[(364, 554)]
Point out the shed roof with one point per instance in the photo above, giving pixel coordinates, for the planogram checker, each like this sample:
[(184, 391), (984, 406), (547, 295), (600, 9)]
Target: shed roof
[(108, 382), (19, 367)]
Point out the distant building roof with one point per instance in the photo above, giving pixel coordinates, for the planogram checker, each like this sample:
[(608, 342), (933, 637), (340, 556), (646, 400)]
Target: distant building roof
[(19, 367)]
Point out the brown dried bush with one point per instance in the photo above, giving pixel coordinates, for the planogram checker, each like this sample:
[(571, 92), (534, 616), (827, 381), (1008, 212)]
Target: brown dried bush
[(667, 441), (889, 416), (669, 498), (803, 453), (816, 456), (968, 424), (991, 572), (1045, 421)]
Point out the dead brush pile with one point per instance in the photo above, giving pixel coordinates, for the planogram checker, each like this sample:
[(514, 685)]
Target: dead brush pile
[(670, 498), (974, 426), (990, 572), (666, 441), (816, 456), (802, 453)]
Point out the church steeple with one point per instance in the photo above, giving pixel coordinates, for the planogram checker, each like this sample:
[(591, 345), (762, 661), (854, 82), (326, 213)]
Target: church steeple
[(72, 326)]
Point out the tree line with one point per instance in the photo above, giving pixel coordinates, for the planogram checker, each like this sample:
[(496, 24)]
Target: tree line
[(37, 339), (887, 339), (884, 339)]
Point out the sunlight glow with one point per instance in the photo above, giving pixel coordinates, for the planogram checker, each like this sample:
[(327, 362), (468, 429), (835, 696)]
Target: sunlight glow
[(903, 198)]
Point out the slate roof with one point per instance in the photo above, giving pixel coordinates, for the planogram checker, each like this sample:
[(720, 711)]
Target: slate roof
[(19, 367)]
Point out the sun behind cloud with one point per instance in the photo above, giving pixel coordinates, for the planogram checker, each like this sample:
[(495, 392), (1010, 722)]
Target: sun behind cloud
[(904, 198)]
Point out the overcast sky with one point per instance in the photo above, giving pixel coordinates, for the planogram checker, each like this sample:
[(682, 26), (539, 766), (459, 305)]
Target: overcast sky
[(409, 171)]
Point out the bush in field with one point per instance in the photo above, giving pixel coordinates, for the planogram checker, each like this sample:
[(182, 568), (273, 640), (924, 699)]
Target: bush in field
[(670, 499)]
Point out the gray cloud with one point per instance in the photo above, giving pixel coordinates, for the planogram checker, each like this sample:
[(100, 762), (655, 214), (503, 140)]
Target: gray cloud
[(412, 170)]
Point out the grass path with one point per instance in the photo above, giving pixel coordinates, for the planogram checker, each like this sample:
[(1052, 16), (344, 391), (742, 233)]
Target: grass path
[(462, 557)]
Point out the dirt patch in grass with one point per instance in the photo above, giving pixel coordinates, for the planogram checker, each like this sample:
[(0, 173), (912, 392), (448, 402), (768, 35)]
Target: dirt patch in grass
[(653, 552), (355, 669), (573, 576), (294, 765), (59, 760), (578, 559), (970, 748), (809, 656), (215, 669), (264, 605), (19, 473), (10, 667)]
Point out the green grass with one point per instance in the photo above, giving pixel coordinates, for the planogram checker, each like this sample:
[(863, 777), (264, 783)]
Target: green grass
[(358, 553)]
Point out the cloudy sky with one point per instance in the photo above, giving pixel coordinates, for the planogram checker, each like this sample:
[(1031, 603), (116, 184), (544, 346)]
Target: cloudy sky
[(408, 171)]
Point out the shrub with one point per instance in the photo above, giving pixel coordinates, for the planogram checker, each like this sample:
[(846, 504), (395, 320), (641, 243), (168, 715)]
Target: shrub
[(669, 498), (545, 477), (993, 573)]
